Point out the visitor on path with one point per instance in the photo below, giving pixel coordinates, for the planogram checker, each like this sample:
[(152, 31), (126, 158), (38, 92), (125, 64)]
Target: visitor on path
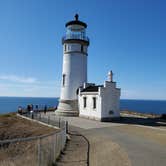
[(45, 109), (20, 110), (31, 106), (28, 108), (32, 114), (37, 108)]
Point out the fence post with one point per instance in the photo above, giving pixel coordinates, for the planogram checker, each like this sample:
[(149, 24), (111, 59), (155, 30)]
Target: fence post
[(56, 146), (61, 140), (39, 152), (48, 119), (59, 122), (67, 127), (54, 141)]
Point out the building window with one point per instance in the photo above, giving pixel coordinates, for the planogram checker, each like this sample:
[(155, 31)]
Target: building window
[(63, 79), (94, 102), (82, 48), (65, 47), (84, 102)]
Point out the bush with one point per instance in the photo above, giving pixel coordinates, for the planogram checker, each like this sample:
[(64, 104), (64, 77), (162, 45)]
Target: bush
[(163, 116)]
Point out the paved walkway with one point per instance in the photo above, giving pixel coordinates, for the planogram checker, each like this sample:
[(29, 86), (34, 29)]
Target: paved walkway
[(140, 151), (84, 123), (117, 144), (75, 153)]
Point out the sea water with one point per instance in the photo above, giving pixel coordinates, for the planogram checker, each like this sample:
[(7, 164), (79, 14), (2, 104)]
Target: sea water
[(11, 104), (144, 106)]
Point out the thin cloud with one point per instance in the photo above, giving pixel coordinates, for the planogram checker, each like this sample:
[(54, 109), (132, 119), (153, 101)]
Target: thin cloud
[(29, 90), (13, 85), (18, 79)]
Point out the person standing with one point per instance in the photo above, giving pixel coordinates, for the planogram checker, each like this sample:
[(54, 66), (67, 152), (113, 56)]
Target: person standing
[(37, 108), (20, 110), (45, 109), (28, 108), (32, 114), (31, 106)]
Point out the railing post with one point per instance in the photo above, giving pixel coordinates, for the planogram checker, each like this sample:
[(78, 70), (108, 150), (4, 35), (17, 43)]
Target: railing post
[(54, 141), (39, 152), (48, 119), (67, 127), (59, 122), (56, 146), (61, 140), (54, 121)]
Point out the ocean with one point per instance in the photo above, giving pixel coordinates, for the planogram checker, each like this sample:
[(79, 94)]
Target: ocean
[(10, 104)]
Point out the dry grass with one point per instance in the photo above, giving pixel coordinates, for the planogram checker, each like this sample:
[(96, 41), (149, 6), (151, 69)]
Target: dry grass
[(20, 153), (147, 115), (12, 126)]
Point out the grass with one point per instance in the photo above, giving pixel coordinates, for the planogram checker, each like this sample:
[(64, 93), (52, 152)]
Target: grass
[(21, 153)]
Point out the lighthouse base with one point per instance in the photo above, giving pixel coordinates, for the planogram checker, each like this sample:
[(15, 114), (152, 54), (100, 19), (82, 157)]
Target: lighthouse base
[(67, 108)]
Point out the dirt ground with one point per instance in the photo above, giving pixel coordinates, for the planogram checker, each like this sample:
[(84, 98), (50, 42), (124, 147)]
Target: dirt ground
[(12, 126)]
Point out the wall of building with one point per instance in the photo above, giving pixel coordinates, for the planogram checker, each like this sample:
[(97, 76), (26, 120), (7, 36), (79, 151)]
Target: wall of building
[(89, 111), (110, 96), (107, 103)]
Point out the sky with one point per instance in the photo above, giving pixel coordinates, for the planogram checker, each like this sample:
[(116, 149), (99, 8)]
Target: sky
[(128, 37)]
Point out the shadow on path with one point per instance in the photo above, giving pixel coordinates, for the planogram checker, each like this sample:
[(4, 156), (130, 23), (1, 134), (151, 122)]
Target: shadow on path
[(153, 122)]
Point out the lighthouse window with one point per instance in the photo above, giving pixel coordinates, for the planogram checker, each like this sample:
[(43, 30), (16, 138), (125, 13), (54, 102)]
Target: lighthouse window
[(63, 79), (84, 102), (82, 48), (65, 47), (94, 102)]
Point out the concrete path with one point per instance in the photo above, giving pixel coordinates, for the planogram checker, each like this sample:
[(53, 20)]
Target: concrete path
[(88, 124), (140, 151), (75, 153), (118, 144)]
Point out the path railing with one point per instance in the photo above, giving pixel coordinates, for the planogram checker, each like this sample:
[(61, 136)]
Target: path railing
[(35, 151)]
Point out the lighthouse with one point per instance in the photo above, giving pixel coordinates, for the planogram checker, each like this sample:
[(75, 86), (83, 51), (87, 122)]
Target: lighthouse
[(74, 72)]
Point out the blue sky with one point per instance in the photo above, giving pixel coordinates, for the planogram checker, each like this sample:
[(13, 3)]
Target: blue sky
[(128, 37)]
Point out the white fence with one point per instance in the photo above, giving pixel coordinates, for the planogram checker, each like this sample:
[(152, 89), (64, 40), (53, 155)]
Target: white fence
[(34, 151)]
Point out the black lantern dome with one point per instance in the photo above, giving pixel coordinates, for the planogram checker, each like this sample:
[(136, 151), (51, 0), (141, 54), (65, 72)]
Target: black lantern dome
[(76, 22), (76, 32)]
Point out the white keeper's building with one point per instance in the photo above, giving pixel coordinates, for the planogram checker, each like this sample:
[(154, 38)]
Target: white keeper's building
[(78, 97)]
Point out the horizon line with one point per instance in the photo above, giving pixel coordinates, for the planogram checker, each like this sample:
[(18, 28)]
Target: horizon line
[(59, 97)]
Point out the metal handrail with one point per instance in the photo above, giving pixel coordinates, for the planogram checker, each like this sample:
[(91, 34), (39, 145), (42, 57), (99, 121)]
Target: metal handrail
[(73, 36)]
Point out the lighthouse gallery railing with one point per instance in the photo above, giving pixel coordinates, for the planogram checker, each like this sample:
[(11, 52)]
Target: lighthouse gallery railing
[(75, 36)]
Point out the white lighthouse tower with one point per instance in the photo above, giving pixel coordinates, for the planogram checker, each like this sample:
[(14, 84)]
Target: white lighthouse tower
[(74, 72)]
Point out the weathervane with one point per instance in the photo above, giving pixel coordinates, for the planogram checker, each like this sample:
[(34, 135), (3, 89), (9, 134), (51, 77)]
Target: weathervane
[(76, 17)]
